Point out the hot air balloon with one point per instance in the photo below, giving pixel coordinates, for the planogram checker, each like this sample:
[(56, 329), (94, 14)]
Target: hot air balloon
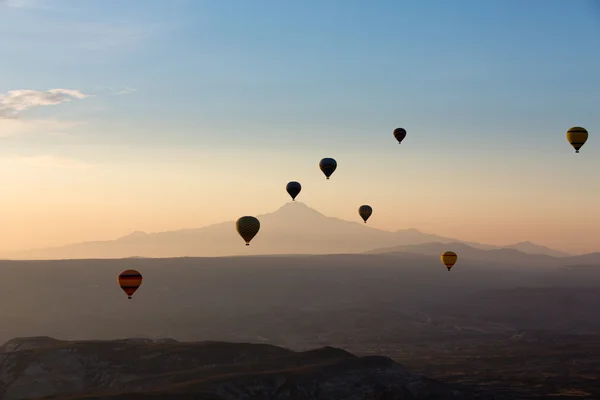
[(577, 137), (328, 165), (293, 188), (130, 280), (399, 134), (365, 212), (449, 258), (247, 227)]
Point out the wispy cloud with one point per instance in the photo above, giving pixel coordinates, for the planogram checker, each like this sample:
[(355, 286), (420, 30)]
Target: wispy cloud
[(16, 101), (31, 4), (44, 161), (127, 90)]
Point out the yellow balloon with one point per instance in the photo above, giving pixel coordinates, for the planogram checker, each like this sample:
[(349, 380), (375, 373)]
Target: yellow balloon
[(577, 137), (449, 258)]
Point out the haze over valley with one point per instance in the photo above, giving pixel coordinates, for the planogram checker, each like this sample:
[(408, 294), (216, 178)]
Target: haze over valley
[(402, 305)]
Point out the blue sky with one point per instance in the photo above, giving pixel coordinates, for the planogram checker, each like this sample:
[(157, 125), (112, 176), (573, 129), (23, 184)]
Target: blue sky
[(477, 84), (344, 67)]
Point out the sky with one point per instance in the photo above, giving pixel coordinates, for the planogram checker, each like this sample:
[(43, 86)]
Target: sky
[(118, 115)]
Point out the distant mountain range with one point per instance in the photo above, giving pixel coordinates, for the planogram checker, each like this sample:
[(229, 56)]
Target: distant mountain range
[(293, 229), (507, 255)]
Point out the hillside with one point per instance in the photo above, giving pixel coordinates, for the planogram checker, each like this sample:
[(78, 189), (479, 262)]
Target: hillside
[(591, 259), (532, 248), (147, 369), (293, 229), (507, 256)]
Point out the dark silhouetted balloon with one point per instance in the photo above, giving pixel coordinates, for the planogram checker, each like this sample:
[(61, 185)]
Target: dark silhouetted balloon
[(130, 280), (328, 165), (247, 227), (399, 134), (365, 212), (577, 137), (293, 188), (449, 258)]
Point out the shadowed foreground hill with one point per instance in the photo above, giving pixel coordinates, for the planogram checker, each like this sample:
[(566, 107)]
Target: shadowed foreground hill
[(43, 367)]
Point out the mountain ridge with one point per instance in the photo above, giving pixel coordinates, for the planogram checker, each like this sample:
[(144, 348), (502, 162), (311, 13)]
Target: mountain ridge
[(142, 368), (533, 248), (465, 252), (293, 228)]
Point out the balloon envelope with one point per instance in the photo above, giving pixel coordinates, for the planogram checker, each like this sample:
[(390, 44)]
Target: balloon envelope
[(328, 165), (293, 189), (130, 280), (365, 212), (577, 137), (449, 258), (247, 227), (399, 134)]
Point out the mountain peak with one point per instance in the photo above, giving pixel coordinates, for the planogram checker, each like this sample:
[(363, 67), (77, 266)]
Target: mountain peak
[(297, 208)]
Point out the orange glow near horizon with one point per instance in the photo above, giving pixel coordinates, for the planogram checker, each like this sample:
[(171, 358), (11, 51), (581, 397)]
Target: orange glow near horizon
[(498, 204)]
